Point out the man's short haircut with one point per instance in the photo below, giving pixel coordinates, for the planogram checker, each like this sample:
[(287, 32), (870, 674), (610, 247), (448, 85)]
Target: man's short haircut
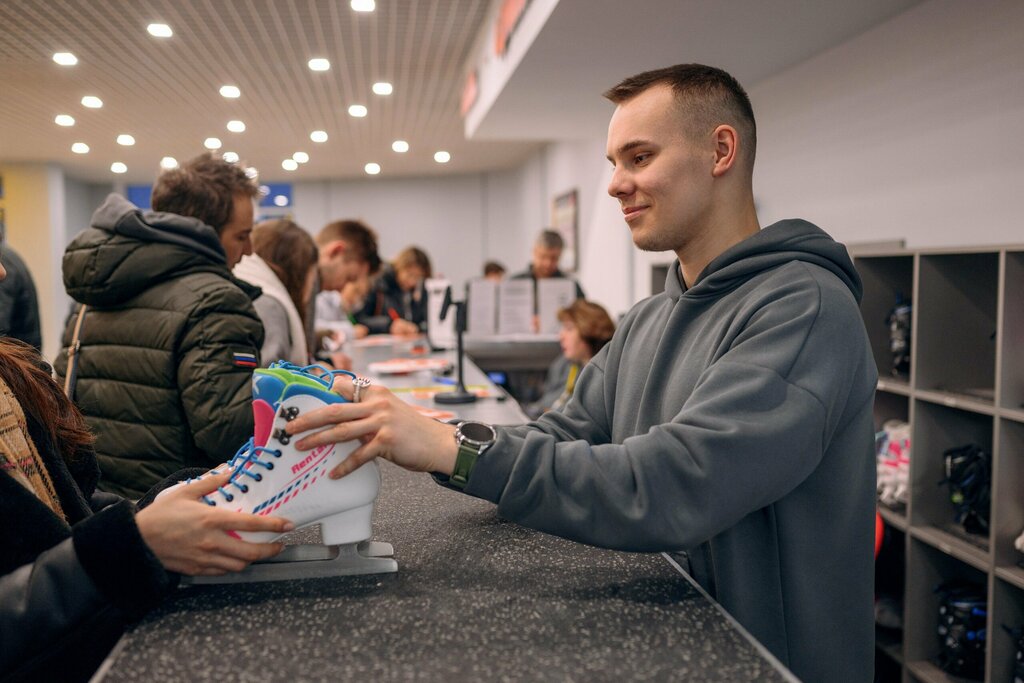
[(204, 188), (413, 257), (493, 268), (360, 240), (708, 97), (549, 239)]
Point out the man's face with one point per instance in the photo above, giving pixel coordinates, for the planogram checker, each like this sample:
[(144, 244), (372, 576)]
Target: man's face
[(662, 179), (339, 266), (235, 236), (545, 260)]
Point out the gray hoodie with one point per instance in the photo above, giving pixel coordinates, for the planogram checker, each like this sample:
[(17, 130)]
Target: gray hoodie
[(732, 420)]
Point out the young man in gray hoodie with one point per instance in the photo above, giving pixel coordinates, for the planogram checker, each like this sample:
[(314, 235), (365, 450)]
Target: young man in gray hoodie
[(730, 416)]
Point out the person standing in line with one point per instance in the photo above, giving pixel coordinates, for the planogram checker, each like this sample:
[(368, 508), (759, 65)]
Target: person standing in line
[(283, 265), (170, 337), (19, 305), (728, 420)]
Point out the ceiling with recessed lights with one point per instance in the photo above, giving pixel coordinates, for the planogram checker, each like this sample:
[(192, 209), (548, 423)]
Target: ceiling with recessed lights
[(164, 93)]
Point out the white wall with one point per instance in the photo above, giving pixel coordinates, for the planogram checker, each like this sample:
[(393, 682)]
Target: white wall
[(444, 215), (912, 130)]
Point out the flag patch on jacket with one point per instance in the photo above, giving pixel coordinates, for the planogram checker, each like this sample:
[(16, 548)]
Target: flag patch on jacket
[(244, 360)]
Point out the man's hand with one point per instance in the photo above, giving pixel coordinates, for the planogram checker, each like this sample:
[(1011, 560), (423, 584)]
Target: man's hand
[(190, 537), (403, 328), (388, 428)]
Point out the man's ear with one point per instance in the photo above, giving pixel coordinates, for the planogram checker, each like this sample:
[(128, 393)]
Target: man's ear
[(727, 143), (335, 249)]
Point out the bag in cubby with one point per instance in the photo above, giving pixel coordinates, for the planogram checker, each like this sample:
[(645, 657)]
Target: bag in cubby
[(1018, 663), (961, 629), (892, 457), (898, 322), (969, 477)]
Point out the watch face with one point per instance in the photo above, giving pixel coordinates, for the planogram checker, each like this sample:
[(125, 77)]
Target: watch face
[(477, 431)]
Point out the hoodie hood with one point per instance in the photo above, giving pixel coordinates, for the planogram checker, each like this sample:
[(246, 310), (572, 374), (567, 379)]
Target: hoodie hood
[(126, 251), (773, 246)]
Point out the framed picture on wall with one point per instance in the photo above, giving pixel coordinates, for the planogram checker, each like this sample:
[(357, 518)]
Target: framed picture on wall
[(565, 221)]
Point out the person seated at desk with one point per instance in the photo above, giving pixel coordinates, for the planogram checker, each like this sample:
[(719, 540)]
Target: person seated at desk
[(283, 264), (336, 313), (397, 302), (494, 271), (547, 252), (586, 328), (78, 565)]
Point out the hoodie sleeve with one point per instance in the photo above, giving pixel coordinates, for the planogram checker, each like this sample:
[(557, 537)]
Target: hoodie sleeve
[(755, 426), (216, 384)]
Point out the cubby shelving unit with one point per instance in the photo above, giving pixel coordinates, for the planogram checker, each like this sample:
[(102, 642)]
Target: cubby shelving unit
[(965, 385)]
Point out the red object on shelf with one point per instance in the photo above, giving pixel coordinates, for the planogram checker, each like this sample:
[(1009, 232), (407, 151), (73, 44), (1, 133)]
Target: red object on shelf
[(879, 532)]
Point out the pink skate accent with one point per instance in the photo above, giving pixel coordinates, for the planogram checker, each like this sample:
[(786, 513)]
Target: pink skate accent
[(234, 534), (263, 415)]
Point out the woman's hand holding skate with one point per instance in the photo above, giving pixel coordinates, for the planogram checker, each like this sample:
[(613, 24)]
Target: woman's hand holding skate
[(190, 537)]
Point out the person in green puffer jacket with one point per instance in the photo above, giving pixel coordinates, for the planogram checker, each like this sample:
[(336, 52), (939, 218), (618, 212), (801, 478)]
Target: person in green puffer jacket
[(170, 336)]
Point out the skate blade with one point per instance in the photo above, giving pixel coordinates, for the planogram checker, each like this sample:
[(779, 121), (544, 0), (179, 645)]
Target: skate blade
[(312, 562)]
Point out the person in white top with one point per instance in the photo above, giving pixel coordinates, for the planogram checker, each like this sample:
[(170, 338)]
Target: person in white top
[(283, 264)]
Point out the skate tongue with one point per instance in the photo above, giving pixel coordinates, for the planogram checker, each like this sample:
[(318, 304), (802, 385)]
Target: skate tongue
[(263, 416)]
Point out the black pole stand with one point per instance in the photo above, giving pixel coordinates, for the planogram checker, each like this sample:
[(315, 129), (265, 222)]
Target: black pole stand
[(459, 394)]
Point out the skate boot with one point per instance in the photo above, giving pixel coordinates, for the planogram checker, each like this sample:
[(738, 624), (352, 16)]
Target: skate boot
[(272, 477)]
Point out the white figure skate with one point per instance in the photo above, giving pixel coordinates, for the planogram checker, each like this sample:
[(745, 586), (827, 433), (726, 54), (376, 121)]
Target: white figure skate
[(271, 477)]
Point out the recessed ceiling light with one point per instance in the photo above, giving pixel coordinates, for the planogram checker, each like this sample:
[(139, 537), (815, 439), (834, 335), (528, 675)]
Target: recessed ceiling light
[(236, 126), (357, 110), (167, 163), (160, 30), (92, 102), (289, 164), (252, 173), (363, 5), (80, 148), (230, 157), (319, 64), (125, 139), (280, 200), (372, 168), (318, 136), (65, 58), (230, 91), (118, 167), (211, 143), (64, 120), (382, 88), (400, 146), (301, 157), (442, 157)]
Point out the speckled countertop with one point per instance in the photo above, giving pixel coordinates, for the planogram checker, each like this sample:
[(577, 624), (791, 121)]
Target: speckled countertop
[(475, 598)]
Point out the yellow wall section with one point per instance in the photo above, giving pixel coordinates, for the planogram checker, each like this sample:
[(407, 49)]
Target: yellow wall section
[(33, 204)]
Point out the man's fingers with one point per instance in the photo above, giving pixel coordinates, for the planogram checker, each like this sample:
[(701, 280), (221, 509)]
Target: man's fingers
[(328, 415), (339, 433), (354, 461)]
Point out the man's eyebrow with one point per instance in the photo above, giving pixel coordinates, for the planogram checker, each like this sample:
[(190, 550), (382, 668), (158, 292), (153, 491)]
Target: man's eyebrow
[(632, 144)]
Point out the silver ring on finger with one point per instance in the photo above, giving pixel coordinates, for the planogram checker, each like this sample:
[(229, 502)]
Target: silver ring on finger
[(359, 385)]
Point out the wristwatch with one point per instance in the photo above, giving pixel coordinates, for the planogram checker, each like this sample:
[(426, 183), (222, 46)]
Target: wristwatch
[(472, 438)]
